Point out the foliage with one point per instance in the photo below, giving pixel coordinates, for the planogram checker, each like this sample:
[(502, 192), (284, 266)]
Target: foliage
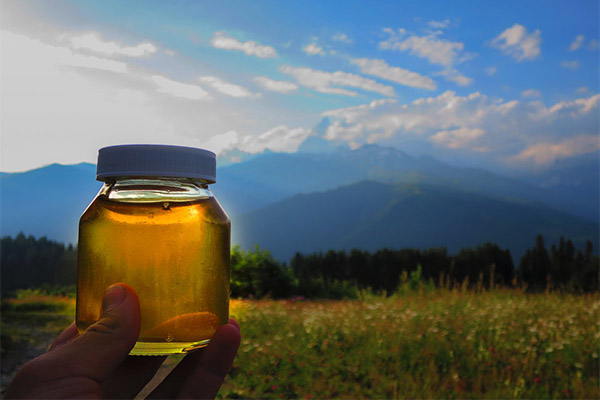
[(50, 266), (257, 274), (29, 262), (564, 267)]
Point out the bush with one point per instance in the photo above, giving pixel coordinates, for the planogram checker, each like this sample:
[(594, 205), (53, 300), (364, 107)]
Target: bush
[(257, 274)]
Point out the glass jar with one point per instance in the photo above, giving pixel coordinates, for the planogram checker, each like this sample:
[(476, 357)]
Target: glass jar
[(156, 226)]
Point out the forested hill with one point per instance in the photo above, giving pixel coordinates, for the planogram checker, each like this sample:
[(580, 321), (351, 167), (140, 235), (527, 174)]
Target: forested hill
[(373, 215)]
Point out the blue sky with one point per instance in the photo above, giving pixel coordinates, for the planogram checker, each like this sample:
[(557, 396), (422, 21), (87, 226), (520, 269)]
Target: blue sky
[(501, 85)]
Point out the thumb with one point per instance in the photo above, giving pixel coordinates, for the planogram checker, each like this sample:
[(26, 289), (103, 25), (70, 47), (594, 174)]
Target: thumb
[(104, 345)]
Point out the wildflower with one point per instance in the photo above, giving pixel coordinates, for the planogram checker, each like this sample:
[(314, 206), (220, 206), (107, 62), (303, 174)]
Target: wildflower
[(536, 379), (307, 397), (274, 387)]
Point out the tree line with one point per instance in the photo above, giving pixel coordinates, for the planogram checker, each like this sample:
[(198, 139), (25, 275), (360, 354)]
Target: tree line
[(27, 262)]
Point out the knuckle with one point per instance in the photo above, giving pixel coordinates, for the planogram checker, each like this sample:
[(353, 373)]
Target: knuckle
[(105, 326)]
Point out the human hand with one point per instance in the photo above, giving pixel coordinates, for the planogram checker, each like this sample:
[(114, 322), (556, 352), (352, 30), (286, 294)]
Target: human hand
[(96, 364)]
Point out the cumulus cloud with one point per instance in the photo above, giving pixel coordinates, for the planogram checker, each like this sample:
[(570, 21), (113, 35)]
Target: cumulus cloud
[(439, 24), (226, 88), (276, 86), (423, 116), (458, 138), (221, 142), (399, 75), (342, 38), (546, 153), (330, 82), (313, 49), (92, 42), (278, 139), (453, 75), (48, 56), (491, 71), (530, 93), (576, 43), (570, 64), (436, 50), (179, 89), (475, 123), (576, 107), (220, 40), (518, 43)]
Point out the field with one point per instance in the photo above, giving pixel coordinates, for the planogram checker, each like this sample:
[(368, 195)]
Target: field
[(440, 344)]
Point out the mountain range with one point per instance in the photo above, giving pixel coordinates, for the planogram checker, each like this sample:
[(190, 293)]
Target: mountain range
[(372, 215), (366, 198)]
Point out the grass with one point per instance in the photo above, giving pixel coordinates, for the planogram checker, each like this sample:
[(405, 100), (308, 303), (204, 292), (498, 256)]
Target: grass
[(501, 344), (438, 344)]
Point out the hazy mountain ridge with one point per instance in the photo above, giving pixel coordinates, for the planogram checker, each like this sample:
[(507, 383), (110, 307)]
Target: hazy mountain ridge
[(371, 215), (49, 201), (274, 176)]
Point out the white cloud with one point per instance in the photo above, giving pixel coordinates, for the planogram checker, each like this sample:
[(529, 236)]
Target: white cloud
[(276, 86), (48, 56), (179, 89), (576, 107), (91, 42), (313, 49), (221, 41), (342, 38), (439, 24), (530, 93), (518, 43), (278, 139), (399, 75), (457, 138), (59, 106), (453, 75), (329, 82), (226, 88), (593, 45), (576, 43), (437, 51), (169, 52), (71, 104), (491, 71), (476, 123), (384, 120), (221, 142), (570, 64), (582, 89), (546, 153)]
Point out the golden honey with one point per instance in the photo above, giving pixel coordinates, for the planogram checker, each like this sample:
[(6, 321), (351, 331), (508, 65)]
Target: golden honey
[(169, 239)]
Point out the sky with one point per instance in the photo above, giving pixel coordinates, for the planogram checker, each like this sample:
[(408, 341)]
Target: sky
[(511, 85)]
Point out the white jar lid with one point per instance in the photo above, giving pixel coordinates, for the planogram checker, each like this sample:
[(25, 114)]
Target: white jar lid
[(153, 160)]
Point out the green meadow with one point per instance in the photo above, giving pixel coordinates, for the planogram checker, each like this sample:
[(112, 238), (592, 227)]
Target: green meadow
[(434, 344)]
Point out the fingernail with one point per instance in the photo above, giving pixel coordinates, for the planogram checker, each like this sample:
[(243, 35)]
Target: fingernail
[(113, 296)]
